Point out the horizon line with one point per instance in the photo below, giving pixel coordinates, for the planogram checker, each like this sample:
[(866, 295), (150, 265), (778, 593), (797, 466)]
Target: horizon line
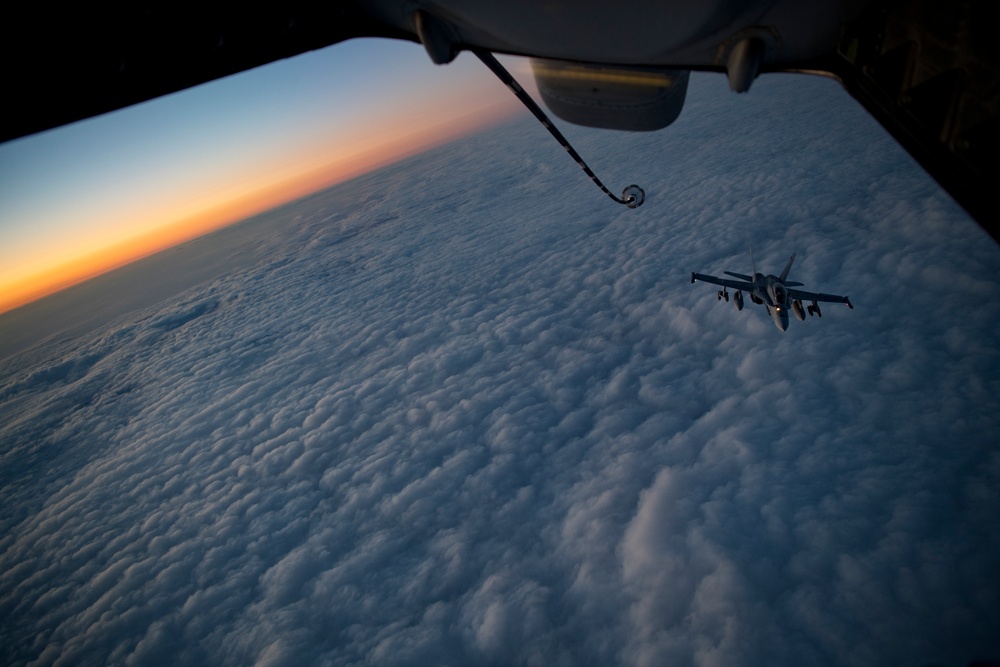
[(49, 282)]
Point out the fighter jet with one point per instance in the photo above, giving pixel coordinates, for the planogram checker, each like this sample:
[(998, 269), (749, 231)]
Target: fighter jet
[(776, 293)]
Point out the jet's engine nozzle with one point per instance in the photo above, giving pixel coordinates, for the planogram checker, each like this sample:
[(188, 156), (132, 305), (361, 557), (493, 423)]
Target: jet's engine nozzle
[(738, 301)]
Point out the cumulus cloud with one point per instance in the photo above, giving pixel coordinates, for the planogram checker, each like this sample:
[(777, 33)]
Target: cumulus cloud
[(465, 410)]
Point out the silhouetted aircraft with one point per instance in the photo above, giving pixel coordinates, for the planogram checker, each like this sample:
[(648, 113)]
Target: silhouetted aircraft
[(776, 293), (926, 69)]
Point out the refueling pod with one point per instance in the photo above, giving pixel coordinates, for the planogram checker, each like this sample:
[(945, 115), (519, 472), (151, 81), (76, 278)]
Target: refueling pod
[(611, 96)]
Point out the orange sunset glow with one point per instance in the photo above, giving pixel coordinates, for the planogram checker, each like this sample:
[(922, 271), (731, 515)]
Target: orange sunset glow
[(135, 226)]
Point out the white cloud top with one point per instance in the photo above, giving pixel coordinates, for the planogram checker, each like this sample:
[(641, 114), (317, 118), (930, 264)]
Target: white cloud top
[(467, 411)]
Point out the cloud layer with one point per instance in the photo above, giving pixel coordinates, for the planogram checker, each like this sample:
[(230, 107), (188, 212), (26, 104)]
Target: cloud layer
[(466, 410)]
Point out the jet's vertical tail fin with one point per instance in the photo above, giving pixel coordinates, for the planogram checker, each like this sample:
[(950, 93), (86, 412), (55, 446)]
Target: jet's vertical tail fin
[(788, 267)]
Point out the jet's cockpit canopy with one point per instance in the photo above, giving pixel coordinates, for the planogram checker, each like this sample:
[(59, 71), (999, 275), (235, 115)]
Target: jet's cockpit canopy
[(778, 294)]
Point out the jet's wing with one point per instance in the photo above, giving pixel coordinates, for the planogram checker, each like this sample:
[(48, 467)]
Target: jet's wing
[(725, 282), (802, 295)]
